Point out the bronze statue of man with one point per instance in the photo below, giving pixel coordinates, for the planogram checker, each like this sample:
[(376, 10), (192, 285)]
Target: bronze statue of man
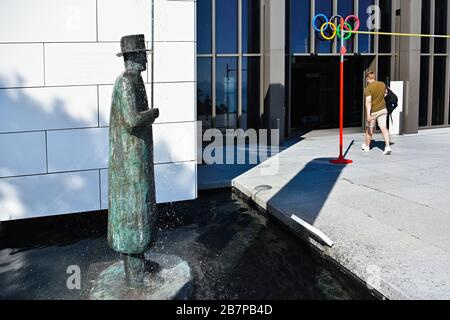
[(132, 210)]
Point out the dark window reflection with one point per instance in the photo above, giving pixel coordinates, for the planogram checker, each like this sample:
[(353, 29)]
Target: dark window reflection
[(439, 91), (325, 7), (204, 26), (226, 26), (250, 92), (440, 45), (345, 9), (424, 83), (386, 26), (300, 26), (251, 26), (365, 42), (226, 92), (426, 14), (384, 69), (204, 91)]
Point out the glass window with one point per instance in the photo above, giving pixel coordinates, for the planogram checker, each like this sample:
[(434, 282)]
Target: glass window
[(345, 9), (204, 26), (426, 29), (251, 26), (204, 91), (226, 92), (440, 45), (365, 42), (250, 92), (424, 83), (224, 78), (226, 26), (300, 26), (439, 91), (325, 7), (384, 69), (386, 26)]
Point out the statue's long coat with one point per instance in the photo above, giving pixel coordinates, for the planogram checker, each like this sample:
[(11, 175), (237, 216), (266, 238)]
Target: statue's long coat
[(132, 212)]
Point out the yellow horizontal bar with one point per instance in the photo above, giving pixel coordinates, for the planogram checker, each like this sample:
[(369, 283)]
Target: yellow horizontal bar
[(399, 34)]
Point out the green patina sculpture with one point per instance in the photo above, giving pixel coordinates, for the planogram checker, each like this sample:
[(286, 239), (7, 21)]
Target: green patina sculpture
[(132, 209)]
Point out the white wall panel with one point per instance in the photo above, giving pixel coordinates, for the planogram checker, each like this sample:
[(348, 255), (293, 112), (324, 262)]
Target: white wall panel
[(82, 149), (174, 142), (47, 20), (175, 21), (22, 154), (176, 182), (21, 65), (104, 189), (176, 102), (174, 61), (149, 69), (46, 195), (104, 104), (118, 18), (48, 108), (82, 63), (63, 84)]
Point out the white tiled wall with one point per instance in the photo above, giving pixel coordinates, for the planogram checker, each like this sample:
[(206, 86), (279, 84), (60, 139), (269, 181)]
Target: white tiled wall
[(81, 63), (50, 194), (176, 101), (104, 189), (58, 65), (172, 19), (184, 173), (18, 149), (174, 61), (47, 20), (168, 135), (118, 17), (48, 108), (79, 149), (21, 65)]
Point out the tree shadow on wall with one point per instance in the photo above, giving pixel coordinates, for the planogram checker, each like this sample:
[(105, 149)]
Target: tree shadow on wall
[(41, 108), (36, 110)]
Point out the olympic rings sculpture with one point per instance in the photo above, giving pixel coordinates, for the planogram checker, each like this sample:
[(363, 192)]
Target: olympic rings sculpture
[(327, 24)]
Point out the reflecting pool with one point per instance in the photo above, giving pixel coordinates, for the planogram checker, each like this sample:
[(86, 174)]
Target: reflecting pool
[(235, 252)]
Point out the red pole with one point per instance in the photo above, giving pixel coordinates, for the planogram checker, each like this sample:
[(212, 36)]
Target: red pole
[(341, 159), (341, 115)]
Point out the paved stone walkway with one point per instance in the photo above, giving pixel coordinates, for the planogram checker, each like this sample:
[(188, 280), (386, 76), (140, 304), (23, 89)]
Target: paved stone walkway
[(384, 219)]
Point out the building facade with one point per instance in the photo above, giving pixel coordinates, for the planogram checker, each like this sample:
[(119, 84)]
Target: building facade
[(229, 63), (260, 63)]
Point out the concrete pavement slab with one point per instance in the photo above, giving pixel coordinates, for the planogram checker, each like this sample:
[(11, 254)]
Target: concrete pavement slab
[(387, 217)]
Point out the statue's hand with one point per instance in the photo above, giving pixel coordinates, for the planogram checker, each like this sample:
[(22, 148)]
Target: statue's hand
[(155, 112), (145, 118)]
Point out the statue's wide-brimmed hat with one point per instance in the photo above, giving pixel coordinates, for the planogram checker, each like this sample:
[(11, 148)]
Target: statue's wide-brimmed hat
[(133, 43)]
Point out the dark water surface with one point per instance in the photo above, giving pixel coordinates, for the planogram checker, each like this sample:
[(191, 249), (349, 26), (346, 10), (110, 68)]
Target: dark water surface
[(235, 252)]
